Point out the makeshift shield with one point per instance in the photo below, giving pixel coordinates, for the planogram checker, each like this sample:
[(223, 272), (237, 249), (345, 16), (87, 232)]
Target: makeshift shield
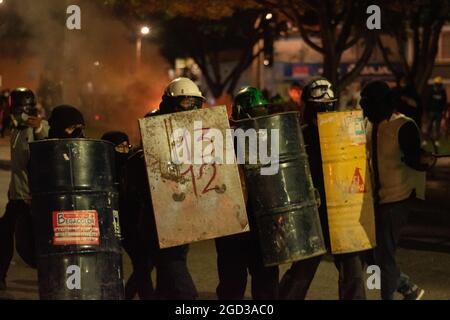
[(348, 185), (194, 179)]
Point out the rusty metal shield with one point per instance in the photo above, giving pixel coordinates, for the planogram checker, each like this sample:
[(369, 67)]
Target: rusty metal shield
[(194, 179)]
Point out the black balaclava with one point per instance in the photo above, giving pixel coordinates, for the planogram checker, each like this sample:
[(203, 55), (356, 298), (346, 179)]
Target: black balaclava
[(117, 138), (376, 101), (64, 117)]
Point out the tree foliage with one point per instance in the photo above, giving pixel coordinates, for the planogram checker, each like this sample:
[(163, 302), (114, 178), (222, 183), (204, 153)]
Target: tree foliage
[(422, 22), (208, 31), (330, 28)]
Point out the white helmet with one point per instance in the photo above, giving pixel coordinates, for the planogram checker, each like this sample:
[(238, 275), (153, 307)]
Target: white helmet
[(180, 87)]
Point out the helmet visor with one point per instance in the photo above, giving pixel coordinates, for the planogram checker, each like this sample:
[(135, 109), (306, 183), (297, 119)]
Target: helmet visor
[(322, 94), (185, 103)]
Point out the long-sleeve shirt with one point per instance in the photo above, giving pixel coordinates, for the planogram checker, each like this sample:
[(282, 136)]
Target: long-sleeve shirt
[(20, 155)]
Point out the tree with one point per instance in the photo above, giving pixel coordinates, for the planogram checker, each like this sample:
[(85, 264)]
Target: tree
[(337, 25), (420, 21), (209, 32), (212, 42)]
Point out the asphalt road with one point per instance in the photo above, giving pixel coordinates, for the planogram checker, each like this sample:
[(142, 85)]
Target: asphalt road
[(431, 270)]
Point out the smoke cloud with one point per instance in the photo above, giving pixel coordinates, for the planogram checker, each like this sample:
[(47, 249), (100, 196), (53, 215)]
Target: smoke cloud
[(97, 65)]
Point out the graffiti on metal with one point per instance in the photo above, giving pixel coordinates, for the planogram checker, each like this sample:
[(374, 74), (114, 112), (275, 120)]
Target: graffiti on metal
[(192, 201)]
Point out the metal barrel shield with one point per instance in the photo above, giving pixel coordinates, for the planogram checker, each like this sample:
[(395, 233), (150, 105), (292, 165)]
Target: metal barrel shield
[(347, 181), (284, 204), (193, 200), (75, 219)]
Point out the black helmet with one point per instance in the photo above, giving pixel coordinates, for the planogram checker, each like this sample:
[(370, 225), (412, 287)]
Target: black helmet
[(22, 100)]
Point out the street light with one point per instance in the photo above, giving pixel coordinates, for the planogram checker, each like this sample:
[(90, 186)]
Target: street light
[(145, 30)]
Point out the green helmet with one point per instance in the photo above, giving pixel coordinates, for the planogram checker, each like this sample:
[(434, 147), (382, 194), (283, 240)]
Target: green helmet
[(249, 102)]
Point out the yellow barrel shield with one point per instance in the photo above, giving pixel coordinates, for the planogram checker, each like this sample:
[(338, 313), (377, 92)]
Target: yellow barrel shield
[(348, 185)]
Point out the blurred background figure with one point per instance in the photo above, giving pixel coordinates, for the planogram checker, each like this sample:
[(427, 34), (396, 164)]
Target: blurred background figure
[(349, 97), (436, 107), (49, 92), (407, 100), (295, 97), (5, 116)]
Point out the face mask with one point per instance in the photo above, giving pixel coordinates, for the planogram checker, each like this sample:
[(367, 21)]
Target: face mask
[(77, 133), (20, 119), (63, 134), (121, 158)]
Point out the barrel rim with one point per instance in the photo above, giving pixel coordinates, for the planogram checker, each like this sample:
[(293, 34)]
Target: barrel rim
[(266, 116), (71, 139)]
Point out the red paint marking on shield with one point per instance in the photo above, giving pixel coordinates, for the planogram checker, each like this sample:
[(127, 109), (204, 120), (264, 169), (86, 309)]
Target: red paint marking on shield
[(357, 185)]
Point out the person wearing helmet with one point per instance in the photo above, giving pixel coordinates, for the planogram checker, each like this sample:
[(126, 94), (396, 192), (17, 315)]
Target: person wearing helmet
[(182, 94), (238, 255), (249, 103), (318, 96), (397, 161), (27, 127), (174, 281), (437, 104)]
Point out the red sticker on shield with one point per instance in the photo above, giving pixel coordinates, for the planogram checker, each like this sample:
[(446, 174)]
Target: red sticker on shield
[(75, 227)]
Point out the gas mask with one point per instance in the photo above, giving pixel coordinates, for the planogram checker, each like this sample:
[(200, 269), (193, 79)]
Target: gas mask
[(22, 114)]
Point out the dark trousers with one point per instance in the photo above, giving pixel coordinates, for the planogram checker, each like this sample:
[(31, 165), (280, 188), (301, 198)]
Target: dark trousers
[(434, 122), (173, 280), (390, 219), (236, 256), (16, 223), (297, 280)]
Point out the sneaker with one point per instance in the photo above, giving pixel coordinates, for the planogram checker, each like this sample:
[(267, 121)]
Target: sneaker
[(437, 144), (424, 143), (415, 294)]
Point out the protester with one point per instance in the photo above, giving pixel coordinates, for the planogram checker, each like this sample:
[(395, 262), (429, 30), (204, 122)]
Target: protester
[(27, 127), (397, 162)]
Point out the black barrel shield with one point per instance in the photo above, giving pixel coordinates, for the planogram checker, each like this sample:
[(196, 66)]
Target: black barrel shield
[(75, 218), (284, 203)]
